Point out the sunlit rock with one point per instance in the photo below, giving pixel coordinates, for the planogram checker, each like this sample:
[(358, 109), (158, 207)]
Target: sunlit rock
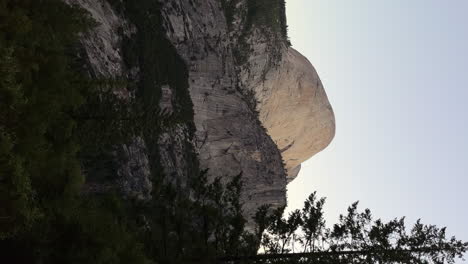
[(294, 108)]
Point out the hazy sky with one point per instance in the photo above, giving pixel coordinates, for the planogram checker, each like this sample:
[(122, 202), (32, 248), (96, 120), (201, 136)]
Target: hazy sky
[(396, 75)]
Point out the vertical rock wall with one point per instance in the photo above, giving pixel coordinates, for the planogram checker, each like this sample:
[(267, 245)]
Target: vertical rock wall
[(292, 120), (229, 137)]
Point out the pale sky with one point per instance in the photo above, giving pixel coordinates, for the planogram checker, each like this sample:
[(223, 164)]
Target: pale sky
[(395, 72)]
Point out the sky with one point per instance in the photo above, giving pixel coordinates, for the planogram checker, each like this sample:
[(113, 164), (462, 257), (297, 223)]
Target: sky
[(396, 75)]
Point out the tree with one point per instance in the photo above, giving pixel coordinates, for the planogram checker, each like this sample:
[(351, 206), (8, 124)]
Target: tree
[(356, 238), (43, 216)]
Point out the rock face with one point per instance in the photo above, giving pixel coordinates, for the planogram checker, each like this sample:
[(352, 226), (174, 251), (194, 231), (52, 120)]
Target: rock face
[(294, 119), (229, 137), (292, 103), (294, 108)]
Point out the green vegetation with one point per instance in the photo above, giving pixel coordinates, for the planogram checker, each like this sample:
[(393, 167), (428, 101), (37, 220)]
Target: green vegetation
[(159, 65), (303, 237), (43, 216), (157, 59), (267, 17), (198, 226), (269, 14), (38, 88)]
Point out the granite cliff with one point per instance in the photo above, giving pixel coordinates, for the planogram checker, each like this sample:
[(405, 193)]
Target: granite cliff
[(294, 109), (259, 108)]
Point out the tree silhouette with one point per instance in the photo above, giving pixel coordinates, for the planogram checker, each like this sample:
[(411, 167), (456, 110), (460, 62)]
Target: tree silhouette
[(356, 238)]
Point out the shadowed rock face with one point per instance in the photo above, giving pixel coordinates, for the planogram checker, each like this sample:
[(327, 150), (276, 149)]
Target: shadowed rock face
[(294, 109)]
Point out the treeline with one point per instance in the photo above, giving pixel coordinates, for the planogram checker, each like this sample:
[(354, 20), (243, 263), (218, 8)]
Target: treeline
[(39, 87), (270, 14), (44, 95), (304, 237), (267, 16)]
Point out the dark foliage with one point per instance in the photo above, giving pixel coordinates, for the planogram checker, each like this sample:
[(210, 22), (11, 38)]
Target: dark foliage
[(43, 217), (270, 14), (267, 14), (267, 17), (38, 89), (303, 237)]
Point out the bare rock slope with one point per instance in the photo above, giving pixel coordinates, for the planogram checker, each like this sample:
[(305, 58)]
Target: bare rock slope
[(295, 110)]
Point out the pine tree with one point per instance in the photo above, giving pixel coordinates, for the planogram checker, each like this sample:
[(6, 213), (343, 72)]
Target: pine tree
[(356, 238)]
